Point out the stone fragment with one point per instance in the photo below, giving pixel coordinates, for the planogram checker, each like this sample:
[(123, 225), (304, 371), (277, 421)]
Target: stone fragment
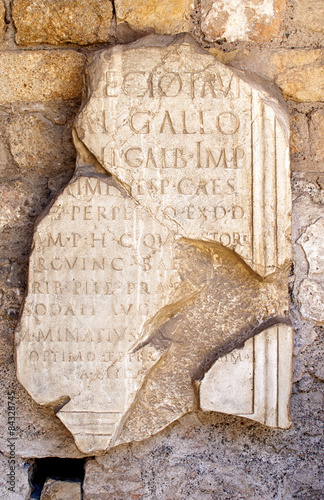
[(299, 73), (317, 134), (116, 272), (312, 242), (164, 16), (168, 394), (309, 14), (54, 489), (189, 148), (40, 75), (311, 293), (245, 20), (78, 21), (254, 381), (179, 240), (14, 475), (311, 299)]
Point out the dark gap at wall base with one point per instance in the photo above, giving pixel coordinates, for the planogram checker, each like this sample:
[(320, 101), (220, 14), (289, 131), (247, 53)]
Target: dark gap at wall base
[(62, 469)]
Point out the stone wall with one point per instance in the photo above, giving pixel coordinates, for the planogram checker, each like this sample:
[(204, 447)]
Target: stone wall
[(44, 47)]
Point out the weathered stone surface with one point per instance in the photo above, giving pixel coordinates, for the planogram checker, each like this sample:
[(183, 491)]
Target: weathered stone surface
[(299, 133), (164, 16), (116, 274), (78, 21), (254, 381), (309, 14), (299, 73), (17, 197), (59, 490), (193, 170), (41, 75), (2, 20), (18, 480), (311, 298), (24, 192), (303, 84), (245, 20), (168, 394), (119, 477), (212, 455), (311, 291), (312, 242), (37, 143), (145, 262), (317, 134)]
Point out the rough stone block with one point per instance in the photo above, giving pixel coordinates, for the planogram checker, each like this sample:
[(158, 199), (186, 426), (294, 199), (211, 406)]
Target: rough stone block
[(61, 490), (164, 16), (311, 292), (18, 481), (37, 144), (316, 128), (2, 20), (309, 14), (81, 22), (299, 133), (299, 73), (312, 242), (41, 75), (244, 20), (105, 477), (311, 299)]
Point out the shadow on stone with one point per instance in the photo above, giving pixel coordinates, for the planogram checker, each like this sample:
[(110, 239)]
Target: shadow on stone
[(64, 469)]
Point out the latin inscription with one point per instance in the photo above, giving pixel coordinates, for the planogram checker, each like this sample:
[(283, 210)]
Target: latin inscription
[(194, 84), (181, 144), (100, 269)]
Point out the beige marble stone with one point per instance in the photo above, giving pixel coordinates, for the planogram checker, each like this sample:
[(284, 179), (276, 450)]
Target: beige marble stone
[(244, 20), (168, 250), (194, 143), (100, 269), (54, 489), (254, 381), (42, 21)]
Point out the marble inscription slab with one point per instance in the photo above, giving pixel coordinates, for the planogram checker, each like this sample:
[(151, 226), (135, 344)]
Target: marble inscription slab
[(167, 252), (204, 148)]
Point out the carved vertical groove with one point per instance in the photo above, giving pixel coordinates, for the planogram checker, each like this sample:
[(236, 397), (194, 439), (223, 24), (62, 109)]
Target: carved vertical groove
[(271, 206), (269, 193), (258, 184), (283, 197)]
